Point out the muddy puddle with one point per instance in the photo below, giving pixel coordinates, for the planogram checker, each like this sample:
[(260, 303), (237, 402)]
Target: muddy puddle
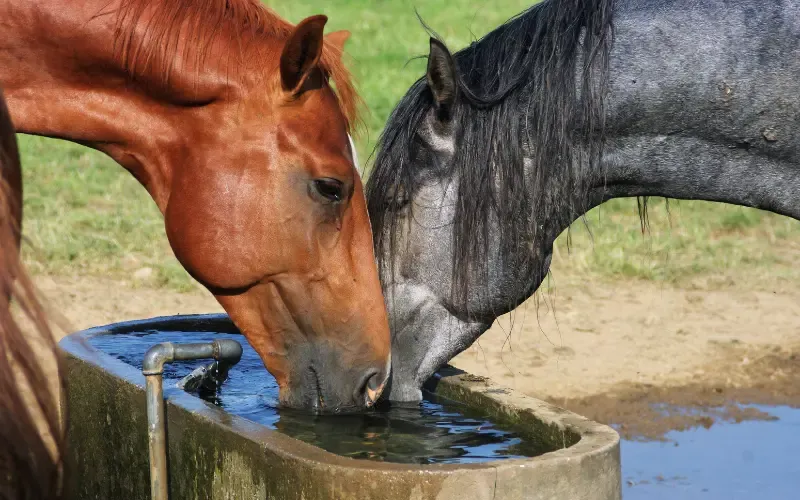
[(733, 436), (726, 460)]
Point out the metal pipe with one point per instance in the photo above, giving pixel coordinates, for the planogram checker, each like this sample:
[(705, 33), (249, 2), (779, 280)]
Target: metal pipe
[(224, 351)]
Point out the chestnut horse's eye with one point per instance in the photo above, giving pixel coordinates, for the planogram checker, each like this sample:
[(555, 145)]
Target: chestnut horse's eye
[(331, 190)]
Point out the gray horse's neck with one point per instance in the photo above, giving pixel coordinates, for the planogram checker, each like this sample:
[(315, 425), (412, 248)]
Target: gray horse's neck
[(703, 114), (716, 117), (690, 168)]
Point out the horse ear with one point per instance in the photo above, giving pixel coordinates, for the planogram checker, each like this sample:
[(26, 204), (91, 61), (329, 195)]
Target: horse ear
[(441, 78), (337, 39), (302, 52)]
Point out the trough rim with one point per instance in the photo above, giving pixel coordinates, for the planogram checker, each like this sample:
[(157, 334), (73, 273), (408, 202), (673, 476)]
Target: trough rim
[(596, 439)]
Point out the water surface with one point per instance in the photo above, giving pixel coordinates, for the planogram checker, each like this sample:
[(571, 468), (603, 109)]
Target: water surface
[(728, 461), (434, 431)]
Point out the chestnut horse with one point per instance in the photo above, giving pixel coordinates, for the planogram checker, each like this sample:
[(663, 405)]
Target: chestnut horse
[(225, 113), (29, 467)]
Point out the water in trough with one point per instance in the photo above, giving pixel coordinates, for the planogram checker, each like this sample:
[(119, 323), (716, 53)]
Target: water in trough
[(434, 431)]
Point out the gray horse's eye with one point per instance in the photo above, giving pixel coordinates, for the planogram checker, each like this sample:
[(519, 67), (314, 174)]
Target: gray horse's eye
[(397, 198)]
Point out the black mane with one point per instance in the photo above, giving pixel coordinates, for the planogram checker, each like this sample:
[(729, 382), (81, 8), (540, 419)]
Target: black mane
[(518, 98)]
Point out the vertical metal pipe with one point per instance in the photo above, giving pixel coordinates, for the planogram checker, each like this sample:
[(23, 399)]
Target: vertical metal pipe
[(224, 351), (156, 437)]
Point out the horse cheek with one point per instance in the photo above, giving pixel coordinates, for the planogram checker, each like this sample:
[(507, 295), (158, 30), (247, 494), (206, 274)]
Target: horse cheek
[(209, 244)]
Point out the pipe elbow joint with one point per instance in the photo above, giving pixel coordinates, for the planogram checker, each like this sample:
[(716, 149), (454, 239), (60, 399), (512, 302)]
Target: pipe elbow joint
[(156, 357)]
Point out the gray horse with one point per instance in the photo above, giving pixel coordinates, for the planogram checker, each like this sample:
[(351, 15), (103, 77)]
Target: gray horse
[(498, 149)]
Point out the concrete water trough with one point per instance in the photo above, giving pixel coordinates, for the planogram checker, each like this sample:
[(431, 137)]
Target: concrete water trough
[(212, 454)]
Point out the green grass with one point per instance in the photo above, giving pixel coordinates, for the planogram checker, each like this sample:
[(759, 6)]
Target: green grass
[(85, 215), (716, 242)]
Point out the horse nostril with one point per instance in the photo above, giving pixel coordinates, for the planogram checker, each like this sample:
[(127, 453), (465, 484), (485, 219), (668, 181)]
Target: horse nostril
[(370, 387)]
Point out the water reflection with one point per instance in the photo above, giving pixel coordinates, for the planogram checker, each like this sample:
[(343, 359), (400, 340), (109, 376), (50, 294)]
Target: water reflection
[(413, 433), (434, 431)]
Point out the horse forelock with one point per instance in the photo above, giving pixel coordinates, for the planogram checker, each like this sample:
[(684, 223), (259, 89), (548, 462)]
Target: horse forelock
[(147, 34), (518, 102)]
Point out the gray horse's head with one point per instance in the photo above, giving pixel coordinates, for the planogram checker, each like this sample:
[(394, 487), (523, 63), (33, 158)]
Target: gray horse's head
[(464, 210), (446, 276)]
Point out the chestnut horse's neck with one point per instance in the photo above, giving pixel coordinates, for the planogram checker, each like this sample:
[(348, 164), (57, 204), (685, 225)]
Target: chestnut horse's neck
[(136, 79)]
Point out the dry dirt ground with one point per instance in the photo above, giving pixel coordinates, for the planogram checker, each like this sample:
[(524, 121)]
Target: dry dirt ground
[(612, 350), (605, 349)]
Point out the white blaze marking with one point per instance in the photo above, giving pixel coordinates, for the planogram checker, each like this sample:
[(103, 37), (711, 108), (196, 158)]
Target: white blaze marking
[(354, 154)]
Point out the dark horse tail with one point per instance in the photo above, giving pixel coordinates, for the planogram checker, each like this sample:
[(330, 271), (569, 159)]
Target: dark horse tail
[(31, 434)]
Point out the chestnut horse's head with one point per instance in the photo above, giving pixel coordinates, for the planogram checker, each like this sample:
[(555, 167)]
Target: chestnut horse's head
[(267, 210)]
